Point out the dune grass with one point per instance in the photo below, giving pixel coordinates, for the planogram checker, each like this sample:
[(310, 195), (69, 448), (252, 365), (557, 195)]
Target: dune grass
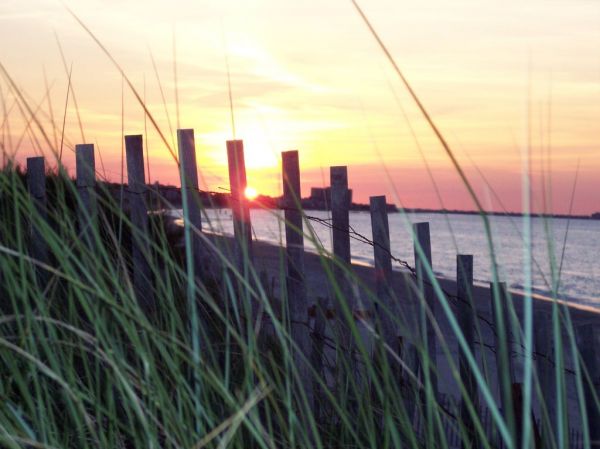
[(213, 363), (85, 365)]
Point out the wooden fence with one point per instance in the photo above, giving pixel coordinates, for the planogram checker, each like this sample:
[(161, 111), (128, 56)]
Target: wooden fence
[(308, 352)]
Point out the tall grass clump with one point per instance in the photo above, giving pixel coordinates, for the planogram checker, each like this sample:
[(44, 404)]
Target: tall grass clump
[(85, 363), (204, 355)]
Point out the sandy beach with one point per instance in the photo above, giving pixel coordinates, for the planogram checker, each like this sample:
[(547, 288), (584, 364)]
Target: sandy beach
[(270, 259)]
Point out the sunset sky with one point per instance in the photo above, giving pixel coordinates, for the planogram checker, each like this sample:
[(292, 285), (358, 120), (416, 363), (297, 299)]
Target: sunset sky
[(307, 75)]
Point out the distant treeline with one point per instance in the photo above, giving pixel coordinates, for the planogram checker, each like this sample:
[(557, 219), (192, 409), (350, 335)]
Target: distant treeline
[(165, 196), (221, 200), (162, 196)]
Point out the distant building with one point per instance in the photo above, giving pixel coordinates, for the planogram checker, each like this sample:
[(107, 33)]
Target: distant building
[(320, 198), (320, 195)]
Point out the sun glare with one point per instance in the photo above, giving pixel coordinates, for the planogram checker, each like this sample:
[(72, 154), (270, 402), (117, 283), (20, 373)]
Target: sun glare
[(251, 193)]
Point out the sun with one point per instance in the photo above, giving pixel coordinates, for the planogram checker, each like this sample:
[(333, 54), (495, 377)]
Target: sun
[(251, 193)]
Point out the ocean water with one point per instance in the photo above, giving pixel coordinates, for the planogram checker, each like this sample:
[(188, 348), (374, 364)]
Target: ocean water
[(571, 246)]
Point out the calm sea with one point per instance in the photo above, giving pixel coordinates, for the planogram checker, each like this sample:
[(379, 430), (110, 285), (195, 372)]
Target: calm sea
[(571, 246)]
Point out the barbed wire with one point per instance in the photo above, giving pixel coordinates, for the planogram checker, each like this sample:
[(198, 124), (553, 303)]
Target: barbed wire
[(355, 235), (361, 238), (403, 263)]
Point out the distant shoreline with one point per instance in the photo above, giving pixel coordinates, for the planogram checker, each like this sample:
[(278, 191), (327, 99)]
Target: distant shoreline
[(594, 216), (394, 209), (220, 200)]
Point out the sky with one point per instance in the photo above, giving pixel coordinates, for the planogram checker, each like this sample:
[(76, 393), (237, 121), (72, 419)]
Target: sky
[(509, 83)]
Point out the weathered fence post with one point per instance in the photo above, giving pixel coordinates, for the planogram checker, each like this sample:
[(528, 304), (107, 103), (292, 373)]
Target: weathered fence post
[(192, 208), (386, 309), (140, 248), (316, 354), (340, 222), (464, 293), (502, 326), (383, 270), (294, 236), (588, 344), (503, 342), (544, 352), (86, 183), (36, 184), (294, 249), (422, 250), (192, 227), (242, 226)]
